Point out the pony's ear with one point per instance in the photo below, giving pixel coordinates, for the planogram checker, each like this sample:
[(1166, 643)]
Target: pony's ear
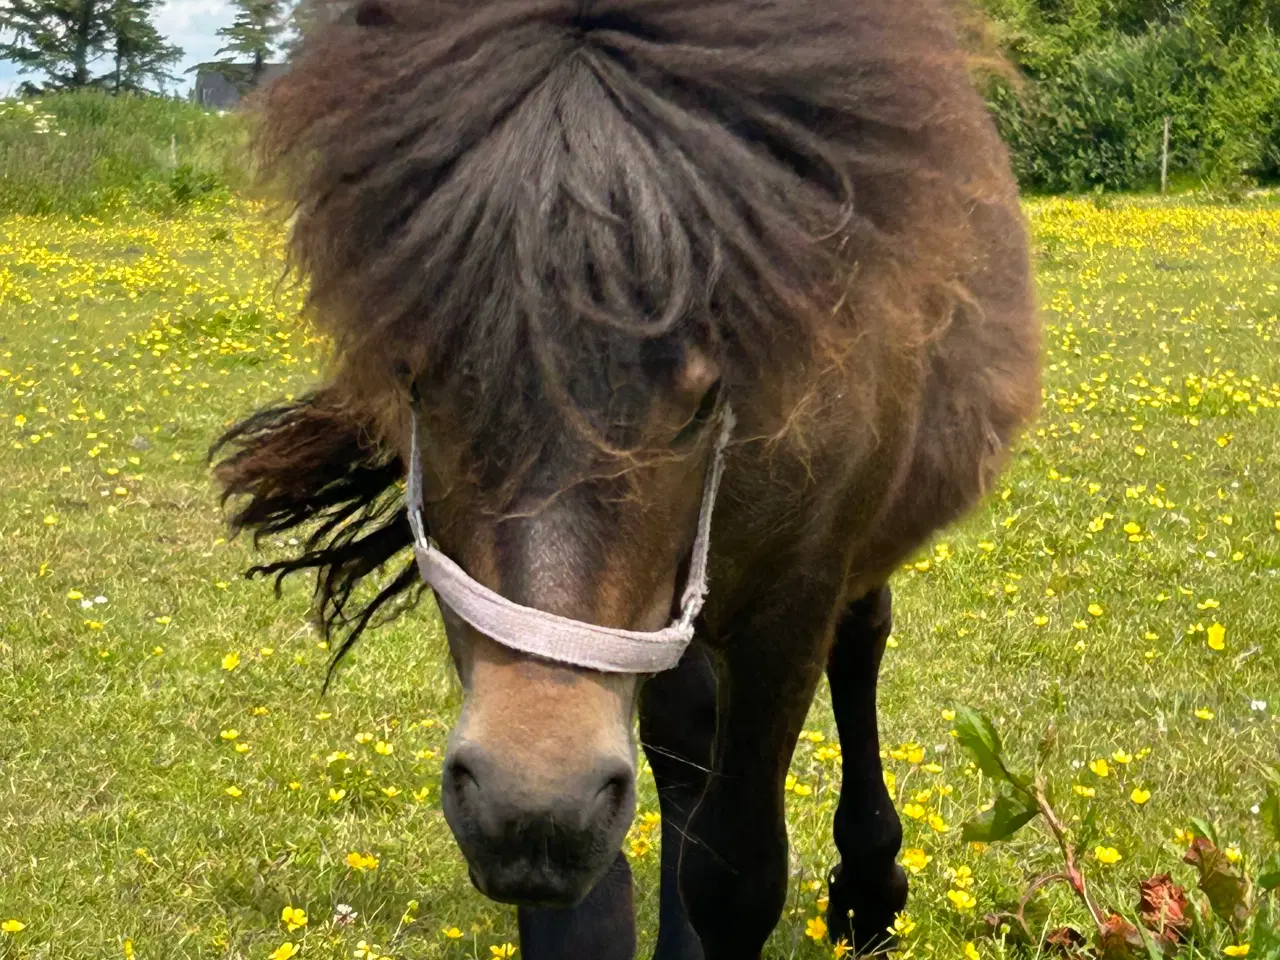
[(368, 13)]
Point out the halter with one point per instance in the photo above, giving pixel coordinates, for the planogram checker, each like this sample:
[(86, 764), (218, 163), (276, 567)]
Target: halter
[(559, 638)]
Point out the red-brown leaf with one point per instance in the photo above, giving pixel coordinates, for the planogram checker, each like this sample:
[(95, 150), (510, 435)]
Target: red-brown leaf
[(1163, 907), (1220, 881), (1118, 939), (1066, 942)]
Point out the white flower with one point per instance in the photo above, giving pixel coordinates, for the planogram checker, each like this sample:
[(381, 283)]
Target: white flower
[(1259, 705)]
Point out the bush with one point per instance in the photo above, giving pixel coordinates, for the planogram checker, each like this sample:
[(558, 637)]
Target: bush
[(1093, 117), (88, 153)]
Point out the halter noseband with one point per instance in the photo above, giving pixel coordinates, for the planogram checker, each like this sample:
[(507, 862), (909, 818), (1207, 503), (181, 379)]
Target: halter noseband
[(558, 638)]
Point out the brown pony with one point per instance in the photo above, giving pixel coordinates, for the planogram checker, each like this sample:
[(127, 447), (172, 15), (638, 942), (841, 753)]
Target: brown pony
[(562, 234)]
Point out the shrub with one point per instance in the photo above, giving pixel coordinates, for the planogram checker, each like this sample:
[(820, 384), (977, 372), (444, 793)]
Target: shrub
[(88, 152)]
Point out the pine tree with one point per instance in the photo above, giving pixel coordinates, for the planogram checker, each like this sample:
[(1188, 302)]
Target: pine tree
[(138, 51), (255, 35), (59, 38)]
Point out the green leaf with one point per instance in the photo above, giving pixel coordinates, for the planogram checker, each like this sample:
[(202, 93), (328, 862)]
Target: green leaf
[(1009, 815), (1269, 875), (1205, 829), (979, 737), (1271, 805)]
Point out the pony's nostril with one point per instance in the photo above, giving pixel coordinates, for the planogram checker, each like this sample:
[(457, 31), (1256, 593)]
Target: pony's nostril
[(612, 797)]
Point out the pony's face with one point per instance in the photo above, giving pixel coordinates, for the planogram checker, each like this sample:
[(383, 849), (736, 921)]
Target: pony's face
[(539, 776)]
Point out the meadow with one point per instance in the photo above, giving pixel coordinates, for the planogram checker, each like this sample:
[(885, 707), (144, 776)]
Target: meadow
[(173, 784)]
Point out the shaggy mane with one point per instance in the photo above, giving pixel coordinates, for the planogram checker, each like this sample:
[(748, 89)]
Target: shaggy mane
[(512, 203)]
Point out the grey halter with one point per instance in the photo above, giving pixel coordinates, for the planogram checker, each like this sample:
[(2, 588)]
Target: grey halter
[(558, 638)]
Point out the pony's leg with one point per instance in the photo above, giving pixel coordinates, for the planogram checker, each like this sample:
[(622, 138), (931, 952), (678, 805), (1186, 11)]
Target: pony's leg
[(601, 927), (733, 868), (868, 887), (677, 726)]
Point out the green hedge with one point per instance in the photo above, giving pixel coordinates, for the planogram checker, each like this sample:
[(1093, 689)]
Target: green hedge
[(88, 152), (1094, 118)]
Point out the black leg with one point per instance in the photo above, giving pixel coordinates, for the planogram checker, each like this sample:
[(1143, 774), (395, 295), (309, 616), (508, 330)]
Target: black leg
[(677, 727), (602, 927), (868, 888), (733, 869)]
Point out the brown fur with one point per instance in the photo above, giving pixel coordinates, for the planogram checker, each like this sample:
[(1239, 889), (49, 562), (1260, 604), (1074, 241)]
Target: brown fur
[(810, 188), (555, 223)]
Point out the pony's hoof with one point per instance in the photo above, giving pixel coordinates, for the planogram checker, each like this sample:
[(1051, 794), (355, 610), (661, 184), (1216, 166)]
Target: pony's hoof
[(861, 909)]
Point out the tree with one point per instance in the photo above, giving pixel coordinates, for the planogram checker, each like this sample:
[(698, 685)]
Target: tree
[(65, 39), (59, 38), (138, 51), (254, 35)]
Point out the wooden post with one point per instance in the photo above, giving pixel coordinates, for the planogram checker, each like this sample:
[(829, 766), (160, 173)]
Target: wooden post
[(1164, 159)]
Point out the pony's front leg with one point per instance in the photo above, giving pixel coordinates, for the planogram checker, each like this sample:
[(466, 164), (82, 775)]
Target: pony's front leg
[(868, 888), (601, 927), (733, 868)]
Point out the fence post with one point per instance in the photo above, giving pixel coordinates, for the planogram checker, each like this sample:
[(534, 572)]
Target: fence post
[(1164, 159)]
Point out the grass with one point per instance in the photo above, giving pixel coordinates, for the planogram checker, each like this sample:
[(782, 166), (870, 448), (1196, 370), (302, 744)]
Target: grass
[(170, 779), (90, 153)]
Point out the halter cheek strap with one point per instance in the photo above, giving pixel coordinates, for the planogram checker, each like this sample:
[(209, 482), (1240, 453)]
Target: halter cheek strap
[(558, 638)]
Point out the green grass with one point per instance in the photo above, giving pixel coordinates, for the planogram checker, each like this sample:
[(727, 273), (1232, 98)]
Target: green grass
[(91, 153), (128, 344)]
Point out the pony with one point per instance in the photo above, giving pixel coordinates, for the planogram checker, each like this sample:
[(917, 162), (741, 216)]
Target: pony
[(558, 240)]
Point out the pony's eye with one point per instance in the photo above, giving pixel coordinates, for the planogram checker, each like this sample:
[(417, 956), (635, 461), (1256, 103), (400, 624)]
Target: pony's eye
[(706, 409)]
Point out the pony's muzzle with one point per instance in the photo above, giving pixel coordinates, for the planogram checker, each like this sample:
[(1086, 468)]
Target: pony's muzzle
[(541, 841)]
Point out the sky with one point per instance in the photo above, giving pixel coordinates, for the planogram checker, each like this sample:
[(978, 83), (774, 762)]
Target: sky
[(188, 23)]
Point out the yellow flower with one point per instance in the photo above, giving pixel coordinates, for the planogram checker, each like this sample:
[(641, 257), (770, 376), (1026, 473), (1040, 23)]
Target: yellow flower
[(362, 861), (1233, 853), (233, 791), (1204, 713), (229, 734), (231, 661), (293, 918), (506, 950), (937, 823), (383, 748), (453, 933), (815, 928), (128, 950), (367, 951), (284, 951), (915, 859), (1240, 950), (1107, 855), (971, 952), (903, 925), (392, 792), (914, 811), (1140, 796), (1095, 609), (1083, 791), (1217, 637), (12, 926), (841, 948), (1099, 767), (1121, 757), (363, 737), (962, 900), (337, 793)]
